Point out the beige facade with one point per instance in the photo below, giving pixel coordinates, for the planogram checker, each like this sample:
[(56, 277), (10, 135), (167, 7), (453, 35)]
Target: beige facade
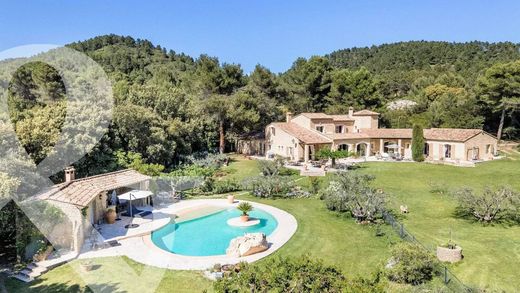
[(300, 137), (480, 147)]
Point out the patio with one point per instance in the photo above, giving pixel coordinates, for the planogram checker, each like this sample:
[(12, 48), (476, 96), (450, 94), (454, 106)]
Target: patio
[(136, 243), (119, 230)]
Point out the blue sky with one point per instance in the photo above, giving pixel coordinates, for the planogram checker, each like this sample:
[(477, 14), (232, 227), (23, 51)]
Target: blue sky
[(272, 33)]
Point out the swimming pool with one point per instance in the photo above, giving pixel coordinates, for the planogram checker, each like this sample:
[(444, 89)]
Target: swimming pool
[(209, 235)]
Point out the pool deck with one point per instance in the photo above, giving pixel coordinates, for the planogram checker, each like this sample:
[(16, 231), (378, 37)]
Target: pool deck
[(140, 247)]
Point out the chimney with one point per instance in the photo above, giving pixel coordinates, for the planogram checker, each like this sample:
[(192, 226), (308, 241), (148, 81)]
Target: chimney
[(70, 174), (288, 116), (350, 111)]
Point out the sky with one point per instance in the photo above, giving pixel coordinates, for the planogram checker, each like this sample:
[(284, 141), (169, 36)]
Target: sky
[(268, 32)]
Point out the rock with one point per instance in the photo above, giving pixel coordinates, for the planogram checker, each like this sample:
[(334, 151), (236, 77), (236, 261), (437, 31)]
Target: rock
[(248, 244)]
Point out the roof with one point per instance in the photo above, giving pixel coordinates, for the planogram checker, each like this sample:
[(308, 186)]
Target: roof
[(341, 118), (451, 134), (81, 192), (365, 113), (303, 134), (316, 115), (448, 134)]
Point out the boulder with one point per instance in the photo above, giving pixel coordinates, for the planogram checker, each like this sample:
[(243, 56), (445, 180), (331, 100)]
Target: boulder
[(248, 244)]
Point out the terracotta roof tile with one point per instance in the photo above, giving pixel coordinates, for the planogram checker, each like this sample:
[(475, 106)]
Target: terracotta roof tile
[(341, 118), (451, 134), (303, 134), (316, 115), (80, 192), (365, 113)]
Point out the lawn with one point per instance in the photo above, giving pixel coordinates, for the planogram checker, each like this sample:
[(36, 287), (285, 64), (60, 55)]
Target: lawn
[(113, 274), (492, 253), (338, 240)]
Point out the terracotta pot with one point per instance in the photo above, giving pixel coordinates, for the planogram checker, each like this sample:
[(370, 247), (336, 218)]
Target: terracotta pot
[(244, 218), (111, 216), (231, 199)]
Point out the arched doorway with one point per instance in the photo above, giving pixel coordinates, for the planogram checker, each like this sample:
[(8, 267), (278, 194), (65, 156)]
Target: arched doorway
[(361, 149), (390, 147)]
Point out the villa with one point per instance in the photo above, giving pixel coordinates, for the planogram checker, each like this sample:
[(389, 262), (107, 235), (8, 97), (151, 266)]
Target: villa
[(301, 136)]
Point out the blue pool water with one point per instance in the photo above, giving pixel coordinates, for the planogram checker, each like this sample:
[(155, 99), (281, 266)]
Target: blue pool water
[(209, 235)]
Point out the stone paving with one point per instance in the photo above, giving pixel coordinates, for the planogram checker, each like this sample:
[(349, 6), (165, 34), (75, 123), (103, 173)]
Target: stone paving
[(141, 248)]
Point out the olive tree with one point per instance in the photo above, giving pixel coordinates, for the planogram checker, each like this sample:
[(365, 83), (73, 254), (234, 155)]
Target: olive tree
[(351, 192), (489, 205)]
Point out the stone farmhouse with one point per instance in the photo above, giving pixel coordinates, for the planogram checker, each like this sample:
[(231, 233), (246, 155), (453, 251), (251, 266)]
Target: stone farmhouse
[(301, 136)]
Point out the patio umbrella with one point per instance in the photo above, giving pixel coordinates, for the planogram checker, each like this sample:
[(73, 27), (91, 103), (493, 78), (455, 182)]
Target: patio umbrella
[(134, 195)]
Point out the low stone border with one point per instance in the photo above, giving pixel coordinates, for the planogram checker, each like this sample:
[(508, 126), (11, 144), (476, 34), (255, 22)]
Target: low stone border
[(143, 250)]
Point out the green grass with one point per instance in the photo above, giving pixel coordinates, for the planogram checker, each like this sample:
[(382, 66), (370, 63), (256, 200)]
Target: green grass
[(113, 274), (241, 168), (492, 253)]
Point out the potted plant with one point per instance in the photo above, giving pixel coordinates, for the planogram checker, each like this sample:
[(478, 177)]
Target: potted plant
[(449, 252), (111, 216), (231, 199), (245, 208)]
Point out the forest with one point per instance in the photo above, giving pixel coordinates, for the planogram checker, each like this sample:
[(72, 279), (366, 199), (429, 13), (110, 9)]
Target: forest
[(169, 105)]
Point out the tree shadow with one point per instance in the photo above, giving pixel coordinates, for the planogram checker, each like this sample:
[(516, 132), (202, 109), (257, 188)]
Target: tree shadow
[(507, 220), (15, 286)]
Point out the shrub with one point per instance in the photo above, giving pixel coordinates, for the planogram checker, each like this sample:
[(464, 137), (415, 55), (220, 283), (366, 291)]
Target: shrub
[(284, 275), (411, 264), (136, 162), (314, 184), (490, 205), (225, 186), (194, 171), (297, 192), (207, 160), (208, 185), (326, 153), (269, 186), (350, 192), (288, 172), (270, 168), (417, 143)]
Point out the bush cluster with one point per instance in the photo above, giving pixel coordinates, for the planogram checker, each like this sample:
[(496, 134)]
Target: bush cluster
[(411, 264), (301, 274), (351, 192)]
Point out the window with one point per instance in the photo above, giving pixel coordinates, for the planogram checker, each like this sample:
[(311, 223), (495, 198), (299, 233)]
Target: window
[(343, 147), (488, 148), (447, 151), (319, 128), (273, 132), (339, 128), (427, 149)]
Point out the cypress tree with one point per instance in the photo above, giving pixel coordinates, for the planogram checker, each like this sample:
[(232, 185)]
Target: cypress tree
[(417, 143)]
